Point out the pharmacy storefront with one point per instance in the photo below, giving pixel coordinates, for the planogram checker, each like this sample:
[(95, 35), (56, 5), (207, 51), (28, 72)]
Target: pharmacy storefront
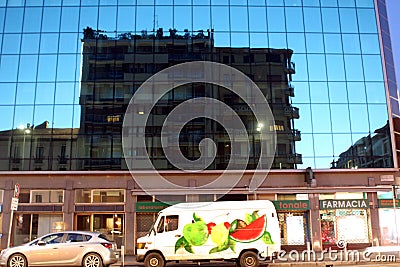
[(294, 223), (344, 220)]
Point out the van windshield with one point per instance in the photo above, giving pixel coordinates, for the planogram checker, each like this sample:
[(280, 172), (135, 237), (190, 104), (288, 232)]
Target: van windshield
[(152, 225)]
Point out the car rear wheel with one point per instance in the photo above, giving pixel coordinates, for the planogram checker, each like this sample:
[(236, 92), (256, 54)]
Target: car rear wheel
[(154, 259), (17, 260), (92, 260)]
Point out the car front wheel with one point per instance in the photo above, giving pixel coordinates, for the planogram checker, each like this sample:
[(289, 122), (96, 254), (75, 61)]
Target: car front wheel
[(92, 260), (17, 260), (248, 259), (154, 259)]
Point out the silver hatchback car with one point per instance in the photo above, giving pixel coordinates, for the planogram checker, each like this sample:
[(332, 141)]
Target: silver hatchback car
[(68, 248)]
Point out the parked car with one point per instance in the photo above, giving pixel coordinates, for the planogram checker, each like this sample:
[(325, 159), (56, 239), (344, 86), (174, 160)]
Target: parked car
[(68, 248)]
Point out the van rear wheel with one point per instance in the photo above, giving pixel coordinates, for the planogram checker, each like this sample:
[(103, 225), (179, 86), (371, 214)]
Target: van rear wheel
[(248, 259), (154, 259)]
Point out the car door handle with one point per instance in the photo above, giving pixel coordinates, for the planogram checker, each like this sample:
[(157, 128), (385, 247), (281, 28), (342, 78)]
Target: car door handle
[(55, 248), (178, 235)]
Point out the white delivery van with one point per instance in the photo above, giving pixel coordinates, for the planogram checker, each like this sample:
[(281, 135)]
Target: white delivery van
[(241, 231)]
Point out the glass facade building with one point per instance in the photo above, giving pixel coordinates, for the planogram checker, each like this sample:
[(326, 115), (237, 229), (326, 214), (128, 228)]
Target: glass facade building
[(69, 68)]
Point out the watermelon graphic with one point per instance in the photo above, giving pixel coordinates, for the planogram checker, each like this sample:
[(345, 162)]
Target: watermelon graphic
[(251, 232)]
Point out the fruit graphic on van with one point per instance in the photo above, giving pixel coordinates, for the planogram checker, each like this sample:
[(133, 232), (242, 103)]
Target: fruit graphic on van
[(250, 232)]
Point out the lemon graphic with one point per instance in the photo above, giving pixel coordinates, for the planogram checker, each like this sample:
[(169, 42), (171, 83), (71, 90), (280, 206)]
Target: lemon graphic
[(219, 234)]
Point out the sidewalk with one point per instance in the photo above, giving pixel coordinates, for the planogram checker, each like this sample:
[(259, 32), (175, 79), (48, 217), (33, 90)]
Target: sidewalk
[(130, 260)]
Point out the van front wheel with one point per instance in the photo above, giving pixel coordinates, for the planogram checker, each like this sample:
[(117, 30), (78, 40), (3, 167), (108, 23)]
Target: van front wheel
[(154, 259), (248, 259)]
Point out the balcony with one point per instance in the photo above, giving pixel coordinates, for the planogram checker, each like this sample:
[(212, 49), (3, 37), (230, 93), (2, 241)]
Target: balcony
[(291, 112), (295, 158), (294, 135), (290, 90), (291, 68)]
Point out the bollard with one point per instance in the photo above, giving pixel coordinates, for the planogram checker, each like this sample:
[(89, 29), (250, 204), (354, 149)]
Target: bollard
[(123, 255)]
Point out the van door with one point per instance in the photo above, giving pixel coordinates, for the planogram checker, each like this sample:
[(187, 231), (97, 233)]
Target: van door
[(167, 234)]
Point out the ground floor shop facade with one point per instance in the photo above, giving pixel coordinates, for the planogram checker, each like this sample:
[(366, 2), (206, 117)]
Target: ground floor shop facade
[(351, 207)]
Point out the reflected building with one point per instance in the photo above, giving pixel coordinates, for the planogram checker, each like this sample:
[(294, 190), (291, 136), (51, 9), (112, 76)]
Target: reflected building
[(368, 152), (113, 68)]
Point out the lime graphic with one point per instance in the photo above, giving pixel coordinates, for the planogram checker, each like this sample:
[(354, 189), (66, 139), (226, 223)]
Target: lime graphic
[(219, 234), (196, 233)]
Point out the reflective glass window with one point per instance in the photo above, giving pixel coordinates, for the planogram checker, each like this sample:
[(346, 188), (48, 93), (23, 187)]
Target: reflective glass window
[(330, 20), (340, 118), (369, 44), (45, 93), (275, 3), (239, 20), (201, 18), (312, 19), (6, 122), (69, 43), (51, 19), (323, 151), (348, 20), (372, 67), (239, 39), (377, 116), (304, 122), (359, 118), (7, 93), (316, 67), (220, 18), (296, 42), (65, 93), (302, 92), (14, 20), (337, 92), (69, 19), (277, 40), (88, 18), (346, 3), (47, 68), (356, 92), (375, 92), (335, 68), (8, 68), (366, 20), (182, 18), (25, 93), (351, 43), (258, 40), (365, 3), (321, 119), (63, 115), (108, 18), (66, 68), (294, 15), (23, 115), (49, 43), (301, 69), (319, 92), (333, 43), (33, 19), (353, 65), (329, 3), (27, 68), (126, 18), (257, 19), (30, 44), (11, 43), (315, 43), (276, 19)]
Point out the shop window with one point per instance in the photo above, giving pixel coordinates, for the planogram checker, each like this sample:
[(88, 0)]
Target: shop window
[(47, 196), (100, 196)]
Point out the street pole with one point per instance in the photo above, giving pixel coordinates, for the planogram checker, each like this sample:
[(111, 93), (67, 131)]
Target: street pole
[(10, 229)]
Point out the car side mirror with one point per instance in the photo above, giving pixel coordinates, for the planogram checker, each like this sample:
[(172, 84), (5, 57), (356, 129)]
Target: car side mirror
[(41, 243)]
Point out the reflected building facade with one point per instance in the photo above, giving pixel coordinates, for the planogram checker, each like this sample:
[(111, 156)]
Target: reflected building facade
[(68, 69)]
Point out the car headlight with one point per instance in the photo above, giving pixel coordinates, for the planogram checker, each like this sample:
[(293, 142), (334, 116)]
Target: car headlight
[(141, 245)]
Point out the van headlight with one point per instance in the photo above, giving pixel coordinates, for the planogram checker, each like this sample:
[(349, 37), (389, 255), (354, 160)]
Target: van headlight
[(141, 245)]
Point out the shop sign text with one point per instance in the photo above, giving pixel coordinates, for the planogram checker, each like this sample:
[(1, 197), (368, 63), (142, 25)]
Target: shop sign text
[(331, 204), (292, 204)]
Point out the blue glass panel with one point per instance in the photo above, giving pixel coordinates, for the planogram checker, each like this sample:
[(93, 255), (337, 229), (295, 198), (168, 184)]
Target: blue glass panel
[(325, 150), (71, 2), (369, 44), (108, 18), (47, 68), (51, 19), (294, 19), (321, 118), (296, 42), (49, 43), (257, 19), (126, 18), (23, 115), (302, 93), (347, 3), (69, 42), (353, 65), (378, 116), (356, 92), (276, 19), (114, 2), (330, 20), (255, 3), (66, 68), (65, 93), (351, 43), (8, 68), (359, 118), (340, 118), (314, 43), (301, 67), (33, 19), (365, 3), (77, 116), (201, 18), (3, 3), (341, 143), (319, 92), (312, 19), (238, 2), (88, 18), (335, 68), (220, 18), (7, 93), (52, 2), (201, 2), (329, 3), (316, 67), (13, 3), (366, 21), (333, 43), (6, 122), (293, 2), (305, 146), (239, 20), (240, 39), (63, 115), (14, 20), (337, 92), (375, 92), (182, 18), (30, 44), (33, 2), (277, 40), (69, 19), (43, 113), (11, 43), (275, 3), (259, 40), (221, 39), (348, 20), (25, 93), (372, 67), (219, 2), (304, 122), (27, 68), (45, 93)]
